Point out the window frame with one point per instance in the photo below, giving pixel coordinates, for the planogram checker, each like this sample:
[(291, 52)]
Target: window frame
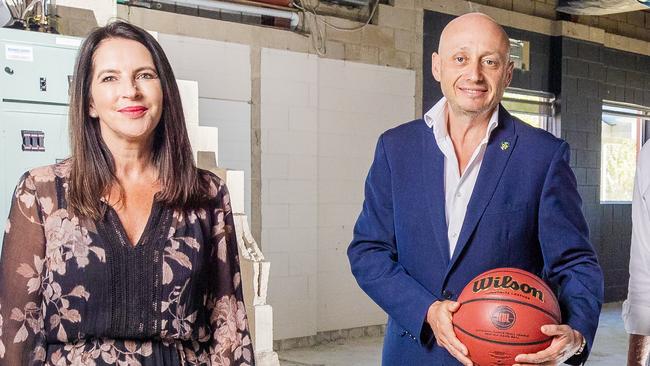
[(545, 102), (626, 110)]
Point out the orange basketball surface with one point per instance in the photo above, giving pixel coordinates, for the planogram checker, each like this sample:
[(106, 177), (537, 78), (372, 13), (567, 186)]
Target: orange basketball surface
[(501, 313)]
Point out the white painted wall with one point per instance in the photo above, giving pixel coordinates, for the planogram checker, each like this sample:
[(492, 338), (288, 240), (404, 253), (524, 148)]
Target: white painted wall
[(289, 98), (357, 102), (320, 122), (223, 72)]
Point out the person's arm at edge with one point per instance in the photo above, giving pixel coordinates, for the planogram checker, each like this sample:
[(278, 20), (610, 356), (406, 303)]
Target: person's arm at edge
[(636, 308)]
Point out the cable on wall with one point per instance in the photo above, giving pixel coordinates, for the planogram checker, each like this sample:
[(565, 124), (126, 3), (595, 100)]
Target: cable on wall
[(318, 35)]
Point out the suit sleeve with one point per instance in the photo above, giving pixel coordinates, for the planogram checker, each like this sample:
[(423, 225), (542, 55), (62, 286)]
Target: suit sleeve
[(374, 257), (570, 262)]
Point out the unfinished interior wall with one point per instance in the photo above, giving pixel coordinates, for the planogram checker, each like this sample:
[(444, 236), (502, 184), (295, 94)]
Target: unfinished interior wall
[(320, 120), (356, 103), (289, 101), (318, 227)]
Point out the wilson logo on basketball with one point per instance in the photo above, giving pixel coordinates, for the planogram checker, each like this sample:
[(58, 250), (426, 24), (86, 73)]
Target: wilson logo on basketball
[(486, 283), (503, 317)]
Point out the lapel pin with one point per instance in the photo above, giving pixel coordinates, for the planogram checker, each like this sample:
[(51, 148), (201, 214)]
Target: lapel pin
[(505, 145)]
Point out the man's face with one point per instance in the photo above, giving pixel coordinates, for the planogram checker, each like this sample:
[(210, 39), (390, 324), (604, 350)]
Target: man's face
[(472, 65)]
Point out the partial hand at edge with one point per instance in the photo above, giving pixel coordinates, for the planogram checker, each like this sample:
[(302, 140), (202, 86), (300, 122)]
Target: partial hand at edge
[(638, 350)]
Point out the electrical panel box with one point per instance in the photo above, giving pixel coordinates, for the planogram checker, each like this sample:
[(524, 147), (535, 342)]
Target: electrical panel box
[(35, 74)]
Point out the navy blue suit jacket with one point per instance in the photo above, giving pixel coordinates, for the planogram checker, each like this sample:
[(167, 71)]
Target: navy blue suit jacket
[(524, 212)]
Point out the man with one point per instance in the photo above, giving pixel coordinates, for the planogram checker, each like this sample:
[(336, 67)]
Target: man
[(467, 189), (636, 309)]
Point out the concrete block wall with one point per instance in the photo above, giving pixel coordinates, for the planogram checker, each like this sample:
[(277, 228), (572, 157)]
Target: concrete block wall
[(394, 39), (356, 103), (320, 120), (540, 8), (631, 24), (592, 73), (289, 102), (581, 110)]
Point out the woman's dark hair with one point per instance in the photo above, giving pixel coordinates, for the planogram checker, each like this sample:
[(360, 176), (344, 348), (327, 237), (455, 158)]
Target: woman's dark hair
[(92, 165)]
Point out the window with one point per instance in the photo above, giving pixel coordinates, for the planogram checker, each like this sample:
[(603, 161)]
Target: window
[(533, 107), (520, 54), (623, 130)]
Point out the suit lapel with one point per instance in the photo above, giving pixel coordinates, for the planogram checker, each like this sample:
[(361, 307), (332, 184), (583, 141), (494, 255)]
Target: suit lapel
[(500, 146), (433, 162)]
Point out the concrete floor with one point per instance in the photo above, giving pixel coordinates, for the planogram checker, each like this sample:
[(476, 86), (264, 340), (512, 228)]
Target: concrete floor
[(610, 348)]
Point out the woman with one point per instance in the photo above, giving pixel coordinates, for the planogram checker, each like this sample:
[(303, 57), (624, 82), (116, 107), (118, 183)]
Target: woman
[(125, 253)]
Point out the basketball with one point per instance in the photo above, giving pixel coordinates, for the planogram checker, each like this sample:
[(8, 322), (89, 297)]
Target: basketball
[(501, 313)]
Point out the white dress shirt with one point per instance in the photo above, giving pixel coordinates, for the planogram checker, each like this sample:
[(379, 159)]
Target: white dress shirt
[(636, 309), (458, 188)]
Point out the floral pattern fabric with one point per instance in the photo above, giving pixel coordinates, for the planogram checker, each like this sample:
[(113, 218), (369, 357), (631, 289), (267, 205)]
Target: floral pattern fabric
[(74, 292)]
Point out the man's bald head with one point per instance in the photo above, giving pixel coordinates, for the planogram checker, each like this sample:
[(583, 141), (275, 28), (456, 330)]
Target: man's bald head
[(474, 23), (473, 64)]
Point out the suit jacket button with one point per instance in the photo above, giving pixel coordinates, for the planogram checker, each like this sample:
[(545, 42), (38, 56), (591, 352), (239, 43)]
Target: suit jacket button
[(447, 294)]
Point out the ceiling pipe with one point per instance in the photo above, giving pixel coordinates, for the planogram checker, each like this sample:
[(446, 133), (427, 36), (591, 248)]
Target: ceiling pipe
[(239, 8)]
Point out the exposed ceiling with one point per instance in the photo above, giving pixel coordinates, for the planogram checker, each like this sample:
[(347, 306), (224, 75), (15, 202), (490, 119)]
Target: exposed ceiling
[(601, 7)]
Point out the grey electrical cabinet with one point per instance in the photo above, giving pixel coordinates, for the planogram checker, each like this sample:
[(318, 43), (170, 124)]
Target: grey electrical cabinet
[(35, 74)]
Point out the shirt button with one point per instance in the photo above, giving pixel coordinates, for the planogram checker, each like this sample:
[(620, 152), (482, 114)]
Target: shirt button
[(458, 194), (453, 235), (447, 294)]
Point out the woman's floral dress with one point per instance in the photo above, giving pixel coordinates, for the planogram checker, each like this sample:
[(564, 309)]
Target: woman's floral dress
[(75, 292)]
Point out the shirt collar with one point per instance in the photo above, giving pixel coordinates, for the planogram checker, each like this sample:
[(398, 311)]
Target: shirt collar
[(436, 119)]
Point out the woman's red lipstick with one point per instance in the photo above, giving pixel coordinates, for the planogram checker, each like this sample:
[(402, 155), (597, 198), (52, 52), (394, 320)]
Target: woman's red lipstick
[(133, 111)]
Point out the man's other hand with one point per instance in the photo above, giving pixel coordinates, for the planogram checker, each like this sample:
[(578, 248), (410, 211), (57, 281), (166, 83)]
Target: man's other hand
[(565, 344)]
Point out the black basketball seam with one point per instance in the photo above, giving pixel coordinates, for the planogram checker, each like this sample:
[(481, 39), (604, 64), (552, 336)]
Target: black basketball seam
[(515, 301), (503, 343)]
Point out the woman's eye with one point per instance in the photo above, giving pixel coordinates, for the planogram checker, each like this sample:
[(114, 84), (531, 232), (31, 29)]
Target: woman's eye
[(109, 78), (146, 75)]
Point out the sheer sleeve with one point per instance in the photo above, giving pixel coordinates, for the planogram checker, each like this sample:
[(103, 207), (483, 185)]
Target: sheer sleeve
[(230, 342), (21, 265)]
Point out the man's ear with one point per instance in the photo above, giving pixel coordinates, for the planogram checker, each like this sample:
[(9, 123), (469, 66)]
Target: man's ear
[(435, 65), (509, 71)]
